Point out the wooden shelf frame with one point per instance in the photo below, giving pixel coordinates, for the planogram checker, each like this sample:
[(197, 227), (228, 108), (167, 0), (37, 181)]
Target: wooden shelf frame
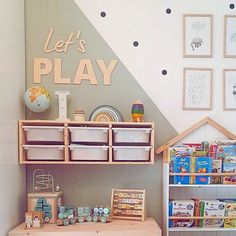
[(67, 124)]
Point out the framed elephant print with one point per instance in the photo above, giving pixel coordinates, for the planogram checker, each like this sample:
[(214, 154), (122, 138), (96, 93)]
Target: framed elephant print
[(230, 36), (229, 89), (197, 35)]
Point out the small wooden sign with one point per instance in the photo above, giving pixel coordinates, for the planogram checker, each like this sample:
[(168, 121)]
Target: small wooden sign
[(128, 204)]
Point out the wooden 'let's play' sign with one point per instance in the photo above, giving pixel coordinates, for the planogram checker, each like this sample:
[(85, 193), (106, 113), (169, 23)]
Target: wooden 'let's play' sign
[(128, 204)]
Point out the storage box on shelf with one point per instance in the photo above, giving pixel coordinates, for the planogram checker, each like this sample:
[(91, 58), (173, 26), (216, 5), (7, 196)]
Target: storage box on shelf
[(71, 142), (189, 190)]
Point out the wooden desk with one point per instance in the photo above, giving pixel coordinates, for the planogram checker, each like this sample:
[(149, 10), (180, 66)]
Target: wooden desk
[(114, 228)]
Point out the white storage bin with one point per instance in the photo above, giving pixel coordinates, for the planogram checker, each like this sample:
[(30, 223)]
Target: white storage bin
[(122, 153), (131, 135), (89, 153), (44, 133), (89, 134), (44, 152)]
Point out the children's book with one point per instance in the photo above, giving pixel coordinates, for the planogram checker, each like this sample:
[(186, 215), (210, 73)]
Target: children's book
[(230, 210), (216, 168), (213, 150), (229, 166), (212, 208), (196, 146), (199, 154), (184, 208), (196, 212), (182, 165), (227, 142), (179, 151), (203, 165), (205, 146), (224, 151)]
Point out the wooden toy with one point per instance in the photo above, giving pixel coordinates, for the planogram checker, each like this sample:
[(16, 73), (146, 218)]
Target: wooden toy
[(137, 111), (28, 219), (128, 204), (42, 182), (37, 219), (33, 219), (66, 216), (97, 214), (45, 202)]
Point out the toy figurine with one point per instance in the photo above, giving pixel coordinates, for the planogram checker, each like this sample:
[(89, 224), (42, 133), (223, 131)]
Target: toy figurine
[(137, 111), (28, 219), (33, 219)]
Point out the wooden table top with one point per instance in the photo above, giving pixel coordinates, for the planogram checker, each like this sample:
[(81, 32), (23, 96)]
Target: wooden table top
[(115, 227)]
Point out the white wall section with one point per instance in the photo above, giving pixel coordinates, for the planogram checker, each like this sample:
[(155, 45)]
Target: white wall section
[(160, 47), (12, 79)]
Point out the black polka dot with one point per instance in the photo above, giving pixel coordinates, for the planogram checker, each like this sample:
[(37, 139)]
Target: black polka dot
[(103, 14), (135, 43), (231, 6), (164, 72), (168, 11)]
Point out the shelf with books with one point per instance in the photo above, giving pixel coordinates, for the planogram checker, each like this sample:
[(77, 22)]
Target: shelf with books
[(192, 178), (205, 174), (202, 217), (202, 185), (198, 229)]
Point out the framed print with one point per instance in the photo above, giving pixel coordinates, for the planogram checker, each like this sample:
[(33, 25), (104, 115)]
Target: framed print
[(229, 89), (230, 36), (197, 35), (197, 89)]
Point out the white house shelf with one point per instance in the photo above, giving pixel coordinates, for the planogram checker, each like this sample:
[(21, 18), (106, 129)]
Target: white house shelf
[(186, 192)]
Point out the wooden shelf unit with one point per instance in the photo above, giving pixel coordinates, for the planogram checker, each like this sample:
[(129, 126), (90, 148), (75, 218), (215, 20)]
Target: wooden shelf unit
[(66, 125), (185, 189)]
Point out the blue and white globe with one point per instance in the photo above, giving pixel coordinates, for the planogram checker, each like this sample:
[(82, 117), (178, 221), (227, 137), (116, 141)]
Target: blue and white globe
[(37, 99)]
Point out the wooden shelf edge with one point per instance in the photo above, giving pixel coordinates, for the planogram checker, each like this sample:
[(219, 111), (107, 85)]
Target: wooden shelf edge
[(84, 163)]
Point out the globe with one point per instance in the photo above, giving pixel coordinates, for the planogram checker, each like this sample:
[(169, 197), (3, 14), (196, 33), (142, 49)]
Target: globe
[(37, 99)]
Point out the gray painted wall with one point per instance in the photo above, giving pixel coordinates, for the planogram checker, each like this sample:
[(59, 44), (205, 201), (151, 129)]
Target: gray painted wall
[(91, 184), (12, 77)]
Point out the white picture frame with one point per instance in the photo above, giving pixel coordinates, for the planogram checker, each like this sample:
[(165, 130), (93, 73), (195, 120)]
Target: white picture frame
[(230, 36), (229, 89), (197, 88), (197, 35)]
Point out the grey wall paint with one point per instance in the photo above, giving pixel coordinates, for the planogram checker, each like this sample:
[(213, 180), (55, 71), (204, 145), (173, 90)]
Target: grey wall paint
[(12, 77), (91, 184)]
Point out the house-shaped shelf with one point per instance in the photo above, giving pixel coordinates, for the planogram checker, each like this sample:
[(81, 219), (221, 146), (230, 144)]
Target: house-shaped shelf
[(192, 191), (176, 139)]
